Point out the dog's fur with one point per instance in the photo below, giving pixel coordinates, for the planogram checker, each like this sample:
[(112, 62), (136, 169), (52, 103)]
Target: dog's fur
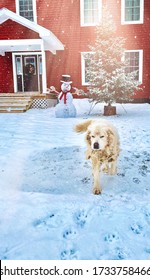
[(102, 141)]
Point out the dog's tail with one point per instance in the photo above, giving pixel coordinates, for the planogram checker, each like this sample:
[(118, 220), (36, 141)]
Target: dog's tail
[(82, 127)]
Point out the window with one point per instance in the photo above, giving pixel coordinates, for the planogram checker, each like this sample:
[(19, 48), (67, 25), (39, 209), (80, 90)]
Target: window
[(135, 61), (40, 65), (18, 65), (30, 64), (132, 11), (90, 11), (84, 65), (27, 9)]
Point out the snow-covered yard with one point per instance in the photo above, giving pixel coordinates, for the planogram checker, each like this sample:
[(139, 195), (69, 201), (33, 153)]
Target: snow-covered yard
[(47, 209)]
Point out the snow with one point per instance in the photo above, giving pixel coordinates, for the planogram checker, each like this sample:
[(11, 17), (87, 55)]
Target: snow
[(47, 209)]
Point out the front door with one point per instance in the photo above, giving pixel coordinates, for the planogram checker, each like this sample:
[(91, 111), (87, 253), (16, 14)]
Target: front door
[(29, 73)]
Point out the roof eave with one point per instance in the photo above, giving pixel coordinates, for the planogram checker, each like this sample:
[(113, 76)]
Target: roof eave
[(51, 42)]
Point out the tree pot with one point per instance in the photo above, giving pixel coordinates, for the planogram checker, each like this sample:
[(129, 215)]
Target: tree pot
[(109, 110)]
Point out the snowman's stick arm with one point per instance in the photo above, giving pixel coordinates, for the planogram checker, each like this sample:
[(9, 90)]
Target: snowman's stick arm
[(52, 90)]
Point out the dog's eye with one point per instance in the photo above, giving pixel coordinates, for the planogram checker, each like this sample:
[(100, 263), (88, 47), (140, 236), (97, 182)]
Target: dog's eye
[(102, 136), (93, 136)]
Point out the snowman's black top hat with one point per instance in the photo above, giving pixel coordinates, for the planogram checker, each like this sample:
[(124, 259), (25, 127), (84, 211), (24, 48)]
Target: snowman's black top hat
[(66, 79)]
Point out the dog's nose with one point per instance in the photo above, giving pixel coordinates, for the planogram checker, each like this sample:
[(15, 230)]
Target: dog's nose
[(96, 146)]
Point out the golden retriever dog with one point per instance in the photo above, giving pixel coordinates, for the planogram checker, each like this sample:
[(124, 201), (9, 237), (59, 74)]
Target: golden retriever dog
[(102, 141)]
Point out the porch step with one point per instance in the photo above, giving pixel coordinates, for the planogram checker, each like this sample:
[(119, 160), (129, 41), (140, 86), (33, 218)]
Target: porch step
[(15, 104), (14, 101), (9, 110)]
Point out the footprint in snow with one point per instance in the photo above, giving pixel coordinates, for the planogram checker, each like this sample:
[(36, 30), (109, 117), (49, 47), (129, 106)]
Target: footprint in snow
[(143, 170), (121, 174), (69, 233), (52, 220), (111, 237), (136, 228), (120, 254), (147, 250), (136, 180), (147, 214), (85, 180), (70, 254), (81, 218)]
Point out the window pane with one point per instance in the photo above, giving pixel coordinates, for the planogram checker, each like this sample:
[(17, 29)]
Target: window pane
[(40, 65), (132, 10), (91, 11), (132, 59), (26, 9), (18, 66), (86, 66), (30, 62)]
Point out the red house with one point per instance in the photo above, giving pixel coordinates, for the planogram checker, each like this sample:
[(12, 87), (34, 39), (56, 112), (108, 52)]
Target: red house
[(42, 39)]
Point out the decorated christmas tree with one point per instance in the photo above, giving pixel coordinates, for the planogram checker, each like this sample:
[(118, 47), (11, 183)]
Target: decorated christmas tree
[(106, 69)]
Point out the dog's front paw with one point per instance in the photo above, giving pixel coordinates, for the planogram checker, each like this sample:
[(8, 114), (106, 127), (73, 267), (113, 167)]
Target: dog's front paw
[(97, 191), (112, 171)]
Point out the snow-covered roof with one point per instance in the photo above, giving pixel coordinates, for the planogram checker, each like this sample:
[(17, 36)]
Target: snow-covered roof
[(50, 41)]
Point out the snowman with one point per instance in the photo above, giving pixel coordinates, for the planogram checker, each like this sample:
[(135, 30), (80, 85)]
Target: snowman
[(65, 108)]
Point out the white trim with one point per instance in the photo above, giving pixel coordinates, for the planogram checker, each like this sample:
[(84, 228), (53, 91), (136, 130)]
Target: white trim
[(84, 83), (140, 63), (20, 45), (82, 23), (44, 78), (44, 81), (51, 42), (26, 53), (141, 21), (17, 7), (34, 9), (14, 72)]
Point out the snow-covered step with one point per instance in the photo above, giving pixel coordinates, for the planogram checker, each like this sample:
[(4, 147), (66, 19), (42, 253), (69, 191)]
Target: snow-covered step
[(14, 99), (13, 104), (14, 110)]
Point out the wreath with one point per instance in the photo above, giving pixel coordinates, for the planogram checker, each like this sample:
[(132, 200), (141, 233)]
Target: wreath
[(29, 69)]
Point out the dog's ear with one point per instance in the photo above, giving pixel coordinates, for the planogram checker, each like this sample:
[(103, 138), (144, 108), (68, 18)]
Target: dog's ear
[(88, 138), (82, 127), (110, 136)]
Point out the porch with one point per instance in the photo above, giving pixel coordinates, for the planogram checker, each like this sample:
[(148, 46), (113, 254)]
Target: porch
[(21, 102), (28, 56)]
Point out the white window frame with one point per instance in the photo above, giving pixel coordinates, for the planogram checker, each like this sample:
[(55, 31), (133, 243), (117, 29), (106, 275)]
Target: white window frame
[(83, 54), (34, 10), (140, 64), (140, 21), (82, 23)]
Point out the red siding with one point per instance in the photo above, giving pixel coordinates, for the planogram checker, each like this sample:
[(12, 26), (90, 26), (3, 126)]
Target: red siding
[(62, 17), (6, 76), (137, 38), (13, 30), (9, 4)]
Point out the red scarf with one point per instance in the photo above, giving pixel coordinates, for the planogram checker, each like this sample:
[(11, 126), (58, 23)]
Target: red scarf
[(65, 96)]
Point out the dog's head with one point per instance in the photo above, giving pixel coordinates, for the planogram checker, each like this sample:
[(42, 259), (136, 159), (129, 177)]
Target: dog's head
[(98, 135)]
